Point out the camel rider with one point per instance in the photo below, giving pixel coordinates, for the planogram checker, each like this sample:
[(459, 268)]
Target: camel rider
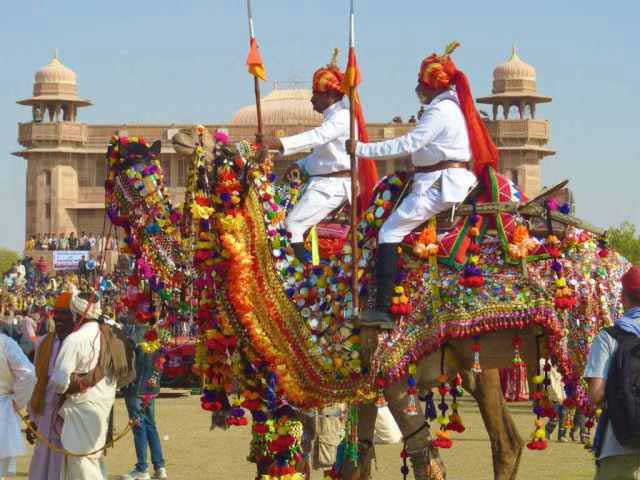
[(448, 135), (327, 165)]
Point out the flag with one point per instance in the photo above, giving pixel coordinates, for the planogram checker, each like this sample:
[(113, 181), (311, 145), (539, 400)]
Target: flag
[(254, 61), (367, 170), (352, 75)]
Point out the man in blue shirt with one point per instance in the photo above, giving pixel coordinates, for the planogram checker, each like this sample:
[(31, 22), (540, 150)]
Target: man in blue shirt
[(615, 461)]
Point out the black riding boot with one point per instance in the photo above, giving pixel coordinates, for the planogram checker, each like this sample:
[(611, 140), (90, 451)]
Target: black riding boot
[(386, 268), (299, 251)]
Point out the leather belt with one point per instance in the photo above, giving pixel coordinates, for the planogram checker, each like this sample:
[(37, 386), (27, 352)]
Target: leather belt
[(442, 166), (341, 173)]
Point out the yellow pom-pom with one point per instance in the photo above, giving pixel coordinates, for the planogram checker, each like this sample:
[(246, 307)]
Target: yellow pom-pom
[(537, 379)]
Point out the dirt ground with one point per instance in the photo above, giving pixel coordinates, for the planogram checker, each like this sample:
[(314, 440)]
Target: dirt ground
[(194, 452)]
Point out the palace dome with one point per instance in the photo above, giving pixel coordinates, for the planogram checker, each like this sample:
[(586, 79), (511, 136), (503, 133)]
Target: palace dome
[(55, 82), (514, 76), (55, 72), (281, 107)]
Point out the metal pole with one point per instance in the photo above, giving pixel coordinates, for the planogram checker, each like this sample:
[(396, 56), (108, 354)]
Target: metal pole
[(256, 80), (354, 182)]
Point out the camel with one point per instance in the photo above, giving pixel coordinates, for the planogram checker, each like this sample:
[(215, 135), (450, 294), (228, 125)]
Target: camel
[(268, 320)]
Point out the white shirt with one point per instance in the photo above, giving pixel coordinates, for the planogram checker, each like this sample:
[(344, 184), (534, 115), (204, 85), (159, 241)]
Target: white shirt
[(17, 380), (440, 134), (79, 354), (327, 141)]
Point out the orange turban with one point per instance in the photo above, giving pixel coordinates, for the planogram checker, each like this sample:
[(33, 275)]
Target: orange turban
[(329, 78), (63, 301), (439, 71)]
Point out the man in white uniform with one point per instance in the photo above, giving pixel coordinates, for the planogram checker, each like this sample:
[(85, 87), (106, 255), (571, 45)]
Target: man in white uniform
[(17, 379), (85, 414), (448, 135), (328, 164)]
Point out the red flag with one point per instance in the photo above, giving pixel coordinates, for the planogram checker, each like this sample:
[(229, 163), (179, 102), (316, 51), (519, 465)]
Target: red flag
[(254, 61), (367, 170)]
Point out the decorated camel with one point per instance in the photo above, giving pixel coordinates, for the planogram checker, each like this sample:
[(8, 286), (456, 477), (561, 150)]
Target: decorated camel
[(495, 287)]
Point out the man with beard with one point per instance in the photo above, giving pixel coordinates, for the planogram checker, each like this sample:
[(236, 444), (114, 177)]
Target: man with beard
[(46, 463)]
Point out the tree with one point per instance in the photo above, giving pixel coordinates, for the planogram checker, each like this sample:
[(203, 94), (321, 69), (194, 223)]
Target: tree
[(625, 239), (7, 259)]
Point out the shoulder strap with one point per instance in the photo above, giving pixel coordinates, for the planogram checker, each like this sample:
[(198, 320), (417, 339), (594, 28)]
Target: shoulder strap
[(617, 333)]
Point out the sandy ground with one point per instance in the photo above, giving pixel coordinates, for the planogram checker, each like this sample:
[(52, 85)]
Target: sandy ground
[(194, 452)]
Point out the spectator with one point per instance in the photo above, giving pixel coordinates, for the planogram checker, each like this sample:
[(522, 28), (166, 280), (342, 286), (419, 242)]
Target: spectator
[(614, 460), (73, 241), (145, 431), (412, 119), (92, 242), (63, 244), (397, 119), (82, 266), (30, 244), (420, 112), (17, 379), (41, 270), (84, 241), (53, 244)]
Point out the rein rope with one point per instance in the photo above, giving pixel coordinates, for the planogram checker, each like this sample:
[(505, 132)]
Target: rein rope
[(41, 438)]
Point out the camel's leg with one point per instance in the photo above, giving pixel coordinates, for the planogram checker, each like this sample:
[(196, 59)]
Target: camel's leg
[(506, 443), (424, 459), (367, 414)]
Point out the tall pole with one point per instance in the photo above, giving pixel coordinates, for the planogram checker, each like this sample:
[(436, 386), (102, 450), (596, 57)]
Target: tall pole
[(354, 180), (256, 81)]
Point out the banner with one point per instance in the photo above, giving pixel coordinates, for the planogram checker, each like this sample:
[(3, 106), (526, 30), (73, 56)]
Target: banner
[(68, 259)]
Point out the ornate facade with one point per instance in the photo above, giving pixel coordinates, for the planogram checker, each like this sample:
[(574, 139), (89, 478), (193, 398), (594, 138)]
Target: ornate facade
[(65, 157)]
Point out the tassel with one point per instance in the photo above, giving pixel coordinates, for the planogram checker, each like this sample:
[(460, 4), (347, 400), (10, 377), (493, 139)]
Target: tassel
[(475, 347), (412, 392)]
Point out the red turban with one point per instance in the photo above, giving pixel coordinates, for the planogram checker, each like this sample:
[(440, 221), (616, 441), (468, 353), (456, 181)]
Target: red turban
[(438, 72), (63, 301), (328, 78), (331, 78), (631, 281)]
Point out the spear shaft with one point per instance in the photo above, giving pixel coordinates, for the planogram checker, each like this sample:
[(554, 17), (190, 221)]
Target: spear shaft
[(256, 80), (354, 181)]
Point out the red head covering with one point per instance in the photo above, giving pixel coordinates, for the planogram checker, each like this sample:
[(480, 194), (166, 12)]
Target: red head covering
[(329, 78), (631, 281), (439, 71), (63, 301)]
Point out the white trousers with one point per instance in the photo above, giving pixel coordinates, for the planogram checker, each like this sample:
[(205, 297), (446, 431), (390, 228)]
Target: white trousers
[(84, 468), (321, 197), (416, 208)]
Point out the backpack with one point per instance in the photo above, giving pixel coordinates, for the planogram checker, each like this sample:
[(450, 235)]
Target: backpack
[(622, 389)]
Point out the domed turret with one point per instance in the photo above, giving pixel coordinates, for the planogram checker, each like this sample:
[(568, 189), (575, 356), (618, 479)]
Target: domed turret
[(514, 76), (55, 90), (282, 107)]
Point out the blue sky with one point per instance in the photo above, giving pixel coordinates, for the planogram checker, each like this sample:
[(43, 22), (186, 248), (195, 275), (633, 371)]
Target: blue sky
[(162, 62)]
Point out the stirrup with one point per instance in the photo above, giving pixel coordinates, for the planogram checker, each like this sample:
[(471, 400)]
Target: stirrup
[(376, 318)]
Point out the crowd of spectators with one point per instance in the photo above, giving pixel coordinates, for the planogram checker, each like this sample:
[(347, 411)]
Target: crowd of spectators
[(48, 241)]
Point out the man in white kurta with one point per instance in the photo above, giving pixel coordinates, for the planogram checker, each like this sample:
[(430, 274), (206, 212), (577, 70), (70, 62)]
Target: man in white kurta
[(440, 148), (17, 379), (328, 165), (86, 414)]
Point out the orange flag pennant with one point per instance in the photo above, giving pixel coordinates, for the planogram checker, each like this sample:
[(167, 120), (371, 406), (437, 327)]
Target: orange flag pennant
[(254, 61), (352, 75)]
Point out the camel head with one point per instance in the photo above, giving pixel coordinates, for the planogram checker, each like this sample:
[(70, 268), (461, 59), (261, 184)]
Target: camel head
[(186, 140)]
